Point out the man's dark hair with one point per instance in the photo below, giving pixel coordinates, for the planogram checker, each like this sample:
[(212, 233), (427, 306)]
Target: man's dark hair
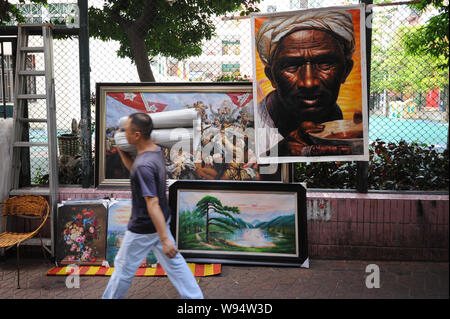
[(143, 123)]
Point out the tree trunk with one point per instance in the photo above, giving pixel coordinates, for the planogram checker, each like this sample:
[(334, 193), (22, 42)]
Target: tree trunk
[(136, 32), (139, 51), (207, 227)]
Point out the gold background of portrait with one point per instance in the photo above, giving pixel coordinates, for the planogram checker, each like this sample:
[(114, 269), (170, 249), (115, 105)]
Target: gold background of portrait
[(350, 94)]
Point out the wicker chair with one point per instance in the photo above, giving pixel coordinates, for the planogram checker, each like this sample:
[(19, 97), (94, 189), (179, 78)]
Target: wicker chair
[(26, 206)]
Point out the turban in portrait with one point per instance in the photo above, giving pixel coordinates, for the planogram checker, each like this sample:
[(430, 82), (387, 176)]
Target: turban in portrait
[(273, 29)]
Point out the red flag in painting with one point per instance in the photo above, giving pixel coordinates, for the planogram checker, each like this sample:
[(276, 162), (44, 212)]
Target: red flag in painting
[(153, 107), (136, 101), (240, 99), (130, 99)]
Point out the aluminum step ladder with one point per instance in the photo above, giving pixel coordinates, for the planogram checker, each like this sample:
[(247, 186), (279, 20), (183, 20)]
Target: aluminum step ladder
[(21, 98)]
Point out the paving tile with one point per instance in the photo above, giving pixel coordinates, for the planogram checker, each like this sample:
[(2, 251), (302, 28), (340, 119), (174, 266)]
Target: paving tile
[(334, 279), (309, 291)]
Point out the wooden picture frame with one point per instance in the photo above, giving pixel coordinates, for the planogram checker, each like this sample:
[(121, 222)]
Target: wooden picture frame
[(240, 222), (115, 100)]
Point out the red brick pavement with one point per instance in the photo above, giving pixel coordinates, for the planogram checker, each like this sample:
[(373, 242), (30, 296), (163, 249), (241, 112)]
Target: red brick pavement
[(325, 279)]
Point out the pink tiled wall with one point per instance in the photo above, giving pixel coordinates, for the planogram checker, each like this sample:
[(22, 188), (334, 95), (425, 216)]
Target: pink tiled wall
[(378, 226), (66, 193), (370, 226)]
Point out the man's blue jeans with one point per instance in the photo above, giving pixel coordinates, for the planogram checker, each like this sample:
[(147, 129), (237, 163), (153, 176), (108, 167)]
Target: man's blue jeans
[(134, 248)]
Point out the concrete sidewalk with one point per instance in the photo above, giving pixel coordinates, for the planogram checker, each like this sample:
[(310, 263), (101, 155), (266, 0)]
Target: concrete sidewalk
[(325, 279)]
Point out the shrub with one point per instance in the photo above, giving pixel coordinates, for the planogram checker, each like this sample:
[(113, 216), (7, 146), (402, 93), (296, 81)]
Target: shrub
[(392, 166), (233, 77)]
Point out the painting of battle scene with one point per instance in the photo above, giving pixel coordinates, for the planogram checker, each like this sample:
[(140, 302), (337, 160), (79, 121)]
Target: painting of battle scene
[(226, 150)]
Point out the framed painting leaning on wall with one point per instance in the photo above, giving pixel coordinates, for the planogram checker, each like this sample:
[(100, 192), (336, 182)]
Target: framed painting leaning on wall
[(224, 149), (119, 214), (81, 232)]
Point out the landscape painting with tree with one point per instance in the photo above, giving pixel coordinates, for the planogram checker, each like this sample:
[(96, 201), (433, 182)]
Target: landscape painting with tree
[(119, 213), (238, 222)]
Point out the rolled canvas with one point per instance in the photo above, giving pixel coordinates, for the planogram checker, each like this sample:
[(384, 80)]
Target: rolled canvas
[(181, 127)]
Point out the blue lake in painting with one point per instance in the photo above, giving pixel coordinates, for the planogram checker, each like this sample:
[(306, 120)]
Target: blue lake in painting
[(254, 237)]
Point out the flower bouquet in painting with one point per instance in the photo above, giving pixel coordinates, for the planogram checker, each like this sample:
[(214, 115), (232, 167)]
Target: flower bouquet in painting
[(81, 233)]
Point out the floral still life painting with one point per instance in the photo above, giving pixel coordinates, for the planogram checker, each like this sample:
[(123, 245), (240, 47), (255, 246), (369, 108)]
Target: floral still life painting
[(81, 233)]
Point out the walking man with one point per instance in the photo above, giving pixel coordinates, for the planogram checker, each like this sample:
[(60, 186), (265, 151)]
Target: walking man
[(148, 227)]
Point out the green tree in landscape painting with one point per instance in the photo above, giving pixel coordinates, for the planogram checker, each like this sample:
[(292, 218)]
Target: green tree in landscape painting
[(209, 205), (190, 222)]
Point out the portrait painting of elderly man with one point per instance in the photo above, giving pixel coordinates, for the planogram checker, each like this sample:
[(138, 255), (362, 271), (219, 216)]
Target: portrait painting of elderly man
[(310, 84)]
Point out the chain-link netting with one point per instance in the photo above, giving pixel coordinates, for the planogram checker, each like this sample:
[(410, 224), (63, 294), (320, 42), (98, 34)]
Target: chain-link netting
[(408, 94)]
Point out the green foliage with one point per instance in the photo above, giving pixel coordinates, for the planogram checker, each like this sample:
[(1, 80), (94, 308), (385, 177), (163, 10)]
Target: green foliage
[(40, 178), (233, 77), (392, 166), (208, 203), (190, 224), (433, 37), (191, 221), (9, 12), (395, 69), (326, 174), (406, 166)]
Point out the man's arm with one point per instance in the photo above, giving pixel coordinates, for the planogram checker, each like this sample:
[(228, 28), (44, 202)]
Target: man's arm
[(157, 217), (127, 160), (297, 145)]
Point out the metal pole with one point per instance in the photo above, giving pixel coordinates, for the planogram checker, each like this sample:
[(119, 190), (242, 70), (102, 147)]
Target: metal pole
[(3, 82), (86, 144), (362, 168)]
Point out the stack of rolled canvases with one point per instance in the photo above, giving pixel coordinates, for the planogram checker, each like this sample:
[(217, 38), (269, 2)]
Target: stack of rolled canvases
[(180, 129)]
